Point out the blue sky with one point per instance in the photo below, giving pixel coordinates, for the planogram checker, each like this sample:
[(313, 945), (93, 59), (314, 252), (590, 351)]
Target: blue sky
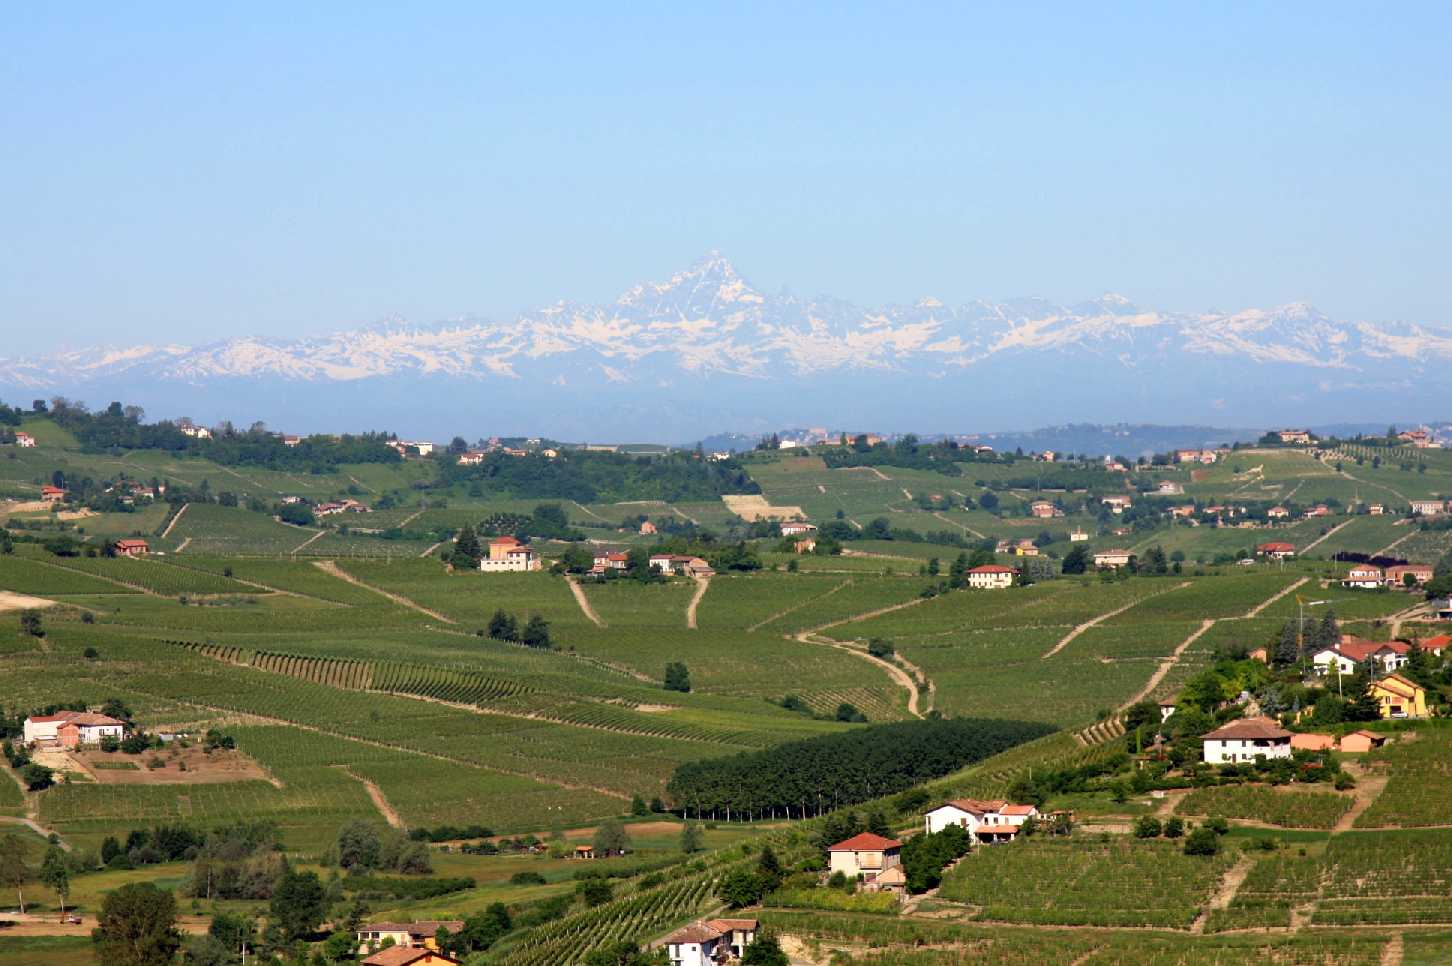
[(181, 172)]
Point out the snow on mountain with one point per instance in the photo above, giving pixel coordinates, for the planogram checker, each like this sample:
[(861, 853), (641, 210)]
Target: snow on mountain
[(708, 323)]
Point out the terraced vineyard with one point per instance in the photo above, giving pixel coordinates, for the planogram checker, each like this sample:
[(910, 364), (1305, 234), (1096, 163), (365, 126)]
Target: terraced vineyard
[(1284, 807)]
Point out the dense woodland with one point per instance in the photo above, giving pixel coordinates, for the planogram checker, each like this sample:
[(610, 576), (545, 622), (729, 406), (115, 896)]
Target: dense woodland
[(590, 477), (816, 774)]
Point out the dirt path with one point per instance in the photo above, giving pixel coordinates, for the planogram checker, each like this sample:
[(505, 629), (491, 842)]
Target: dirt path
[(589, 611), (251, 718), (795, 607), (183, 545), (179, 514), (589, 512), (1166, 665), (331, 567), (1394, 952), (360, 484), (411, 517), (1323, 538), (1369, 786), (1225, 892), (1411, 613), (869, 615), (390, 815), (310, 540), (110, 580), (14, 601), (1255, 611), (703, 584), (1064, 642), (962, 526), (432, 549), (901, 677)]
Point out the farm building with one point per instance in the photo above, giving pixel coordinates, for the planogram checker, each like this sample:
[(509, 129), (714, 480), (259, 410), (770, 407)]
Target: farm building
[(995, 820), (131, 548), (797, 527), (1246, 740), (1352, 651), (1113, 559), (1363, 577), (25, 440), (1427, 508), (1276, 550), (52, 494), (680, 565), (506, 554), (711, 942), (1295, 437), (72, 729), (1043, 509), (610, 560), (1361, 741), (1117, 504), (410, 956), (991, 577), (1277, 513), (1396, 576), (410, 935), (864, 856)]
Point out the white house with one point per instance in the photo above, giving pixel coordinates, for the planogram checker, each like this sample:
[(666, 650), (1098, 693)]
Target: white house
[(1427, 508), (991, 577), (196, 432), (24, 439), (1363, 577), (1117, 504), (1113, 558), (1245, 740), (72, 729), (794, 527), (610, 560), (472, 458), (711, 942), (508, 554), (1078, 536), (1352, 651), (995, 820), (421, 934), (680, 565), (864, 856)]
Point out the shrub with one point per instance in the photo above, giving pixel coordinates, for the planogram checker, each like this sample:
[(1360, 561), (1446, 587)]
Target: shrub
[(1202, 841), (1147, 827), (527, 878)]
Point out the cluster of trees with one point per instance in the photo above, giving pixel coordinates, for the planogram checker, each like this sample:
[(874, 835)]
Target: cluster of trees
[(547, 522), (880, 528), (924, 857), (677, 677), (504, 626), (363, 846), (119, 427), (595, 477), (816, 775)]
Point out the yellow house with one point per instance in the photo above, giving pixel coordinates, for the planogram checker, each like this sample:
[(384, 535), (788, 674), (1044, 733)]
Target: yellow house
[(1398, 697)]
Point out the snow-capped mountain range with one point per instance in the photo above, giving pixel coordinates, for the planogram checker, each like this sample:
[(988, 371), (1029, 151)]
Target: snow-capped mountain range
[(705, 350)]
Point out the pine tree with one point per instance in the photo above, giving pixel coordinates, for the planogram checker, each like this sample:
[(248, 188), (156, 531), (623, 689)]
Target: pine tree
[(466, 548), (503, 627)]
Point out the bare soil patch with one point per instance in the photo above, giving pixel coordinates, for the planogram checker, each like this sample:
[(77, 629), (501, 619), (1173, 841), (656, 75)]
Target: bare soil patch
[(752, 507), (13, 601), (219, 767)]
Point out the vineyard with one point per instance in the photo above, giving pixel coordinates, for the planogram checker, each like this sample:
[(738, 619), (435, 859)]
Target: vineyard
[(1420, 781), (1117, 883), (1276, 806)]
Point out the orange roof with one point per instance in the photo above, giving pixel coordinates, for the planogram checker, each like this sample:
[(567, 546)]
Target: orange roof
[(866, 842), (505, 541), (1017, 810), (1276, 546), (1397, 684), (1249, 728), (727, 925), (1437, 643), (992, 569), (974, 806), (405, 955), (696, 932)]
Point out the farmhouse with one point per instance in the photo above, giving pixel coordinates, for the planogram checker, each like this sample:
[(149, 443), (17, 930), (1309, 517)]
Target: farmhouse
[(1364, 577), (864, 856), (1206, 456), (341, 506), (1397, 576), (1352, 651), (1398, 697), (711, 942), (1376, 509), (1276, 550), (1117, 504), (1025, 548), (131, 548), (52, 494), (991, 577), (24, 439), (1246, 740), (646, 528), (196, 432), (72, 729), (1297, 437), (610, 560), (796, 527), (508, 554), (1277, 513), (1319, 510), (1427, 508), (1044, 510), (1113, 559), (805, 545), (1078, 536), (291, 441), (1418, 438), (471, 458), (680, 565), (994, 817), (422, 934), (1169, 488)]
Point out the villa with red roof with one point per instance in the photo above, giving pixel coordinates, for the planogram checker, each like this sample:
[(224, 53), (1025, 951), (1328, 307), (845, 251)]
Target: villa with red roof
[(1353, 651), (864, 856), (1247, 739), (1276, 550), (506, 554), (72, 729), (985, 821), (991, 577)]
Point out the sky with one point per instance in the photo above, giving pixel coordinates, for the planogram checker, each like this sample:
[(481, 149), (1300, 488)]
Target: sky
[(191, 172)]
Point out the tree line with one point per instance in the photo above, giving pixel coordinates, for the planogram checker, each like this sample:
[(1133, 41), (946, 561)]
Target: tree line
[(815, 775)]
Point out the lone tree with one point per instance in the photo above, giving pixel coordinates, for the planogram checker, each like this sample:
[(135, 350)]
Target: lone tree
[(298, 904), (690, 838), (13, 870), (30, 623), (503, 627), (55, 875), (611, 838), (137, 927), (536, 633), (677, 677)]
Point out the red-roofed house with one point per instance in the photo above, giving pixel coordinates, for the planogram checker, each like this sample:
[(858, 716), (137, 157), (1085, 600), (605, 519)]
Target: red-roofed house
[(1247, 739), (1396, 576), (986, 821), (710, 943), (1428, 508), (24, 439), (131, 548), (410, 956), (1363, 577), (1344, 657), (72, 729), (1043, 509), (610, 560), (991, 577), (422, 934), (1276, 550), (52, 494), (507, 554), (864, 856)]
